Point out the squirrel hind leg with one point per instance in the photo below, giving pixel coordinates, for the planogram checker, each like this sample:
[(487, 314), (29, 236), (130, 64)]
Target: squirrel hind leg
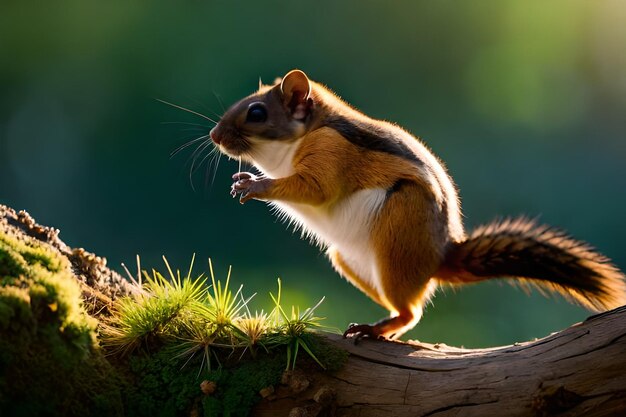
[(407, 238), (405, 289), (349, 274)]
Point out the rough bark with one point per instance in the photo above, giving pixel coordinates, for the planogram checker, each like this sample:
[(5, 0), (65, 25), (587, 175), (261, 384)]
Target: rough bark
[(580, 371), (100, 285)]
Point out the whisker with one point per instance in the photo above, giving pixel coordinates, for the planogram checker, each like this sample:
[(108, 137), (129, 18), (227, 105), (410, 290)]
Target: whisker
[(195, 156), (204, 158), (209, 167), (197, 152), (206, 175), (187, 110), (201, 104), (191, 160), (186, 123), (217, 165), (219, 100), (193, 129), (186, 145)]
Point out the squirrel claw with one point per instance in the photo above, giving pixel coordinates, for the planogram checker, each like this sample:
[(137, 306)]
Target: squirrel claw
[(249, 186), (241, 185), (243, 176), (359, 331)]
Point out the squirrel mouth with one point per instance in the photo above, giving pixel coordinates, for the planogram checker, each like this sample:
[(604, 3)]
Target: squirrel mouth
[(233, 148), (229, 142)]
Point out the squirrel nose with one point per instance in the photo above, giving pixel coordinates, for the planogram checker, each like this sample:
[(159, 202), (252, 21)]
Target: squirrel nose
[(214, 136)]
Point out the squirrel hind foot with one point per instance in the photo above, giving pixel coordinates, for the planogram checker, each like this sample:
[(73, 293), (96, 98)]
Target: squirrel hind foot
[(387, 329), (359, 331)]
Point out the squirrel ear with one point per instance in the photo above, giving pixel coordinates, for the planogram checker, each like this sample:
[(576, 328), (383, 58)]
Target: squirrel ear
[(296, 89)]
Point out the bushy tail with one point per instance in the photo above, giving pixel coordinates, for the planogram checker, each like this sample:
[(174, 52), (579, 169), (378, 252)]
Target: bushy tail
[(538, 255)]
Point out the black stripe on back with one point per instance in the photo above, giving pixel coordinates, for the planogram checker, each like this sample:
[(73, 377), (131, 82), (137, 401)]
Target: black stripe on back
[(397, 186), (371, 137)]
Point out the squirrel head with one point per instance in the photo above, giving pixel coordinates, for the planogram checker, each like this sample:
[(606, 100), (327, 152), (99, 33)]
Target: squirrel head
[(280, 112)]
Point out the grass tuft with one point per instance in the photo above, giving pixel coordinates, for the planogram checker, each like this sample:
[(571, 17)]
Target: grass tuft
[(290, 329), (253, 330), (158, 310), (192, 321)]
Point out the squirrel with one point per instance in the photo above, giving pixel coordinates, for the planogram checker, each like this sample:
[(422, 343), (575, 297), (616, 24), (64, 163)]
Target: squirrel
[(386, 210)]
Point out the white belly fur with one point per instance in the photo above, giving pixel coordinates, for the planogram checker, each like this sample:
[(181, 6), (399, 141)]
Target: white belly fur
[(345, 227)]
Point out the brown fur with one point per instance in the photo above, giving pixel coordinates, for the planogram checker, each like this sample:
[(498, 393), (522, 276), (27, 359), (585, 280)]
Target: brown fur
[(329, 168), (538, 255), (409, 246)]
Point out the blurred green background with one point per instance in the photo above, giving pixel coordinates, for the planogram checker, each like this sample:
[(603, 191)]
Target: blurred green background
[(524, 100)]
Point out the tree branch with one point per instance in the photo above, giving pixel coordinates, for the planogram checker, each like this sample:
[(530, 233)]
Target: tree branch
[(578, 371)]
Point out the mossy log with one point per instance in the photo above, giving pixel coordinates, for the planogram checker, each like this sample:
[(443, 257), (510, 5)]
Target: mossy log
[(100, 285), (50, 297), (580, 371)]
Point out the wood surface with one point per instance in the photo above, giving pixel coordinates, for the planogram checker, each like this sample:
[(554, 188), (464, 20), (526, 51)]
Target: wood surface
[(580, 371)]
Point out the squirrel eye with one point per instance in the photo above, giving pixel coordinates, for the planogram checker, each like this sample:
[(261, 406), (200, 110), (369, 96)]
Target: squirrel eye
[(256, 113)]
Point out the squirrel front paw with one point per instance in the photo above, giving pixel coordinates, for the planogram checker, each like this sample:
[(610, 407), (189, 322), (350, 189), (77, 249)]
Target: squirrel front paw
[(249, 186)]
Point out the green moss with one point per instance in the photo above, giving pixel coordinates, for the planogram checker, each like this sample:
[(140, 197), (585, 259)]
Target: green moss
[(50, 363), (160, 387), (18, 255), (238, 389), (15, 312), (164, 386), (332, 357), (10, 265)]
